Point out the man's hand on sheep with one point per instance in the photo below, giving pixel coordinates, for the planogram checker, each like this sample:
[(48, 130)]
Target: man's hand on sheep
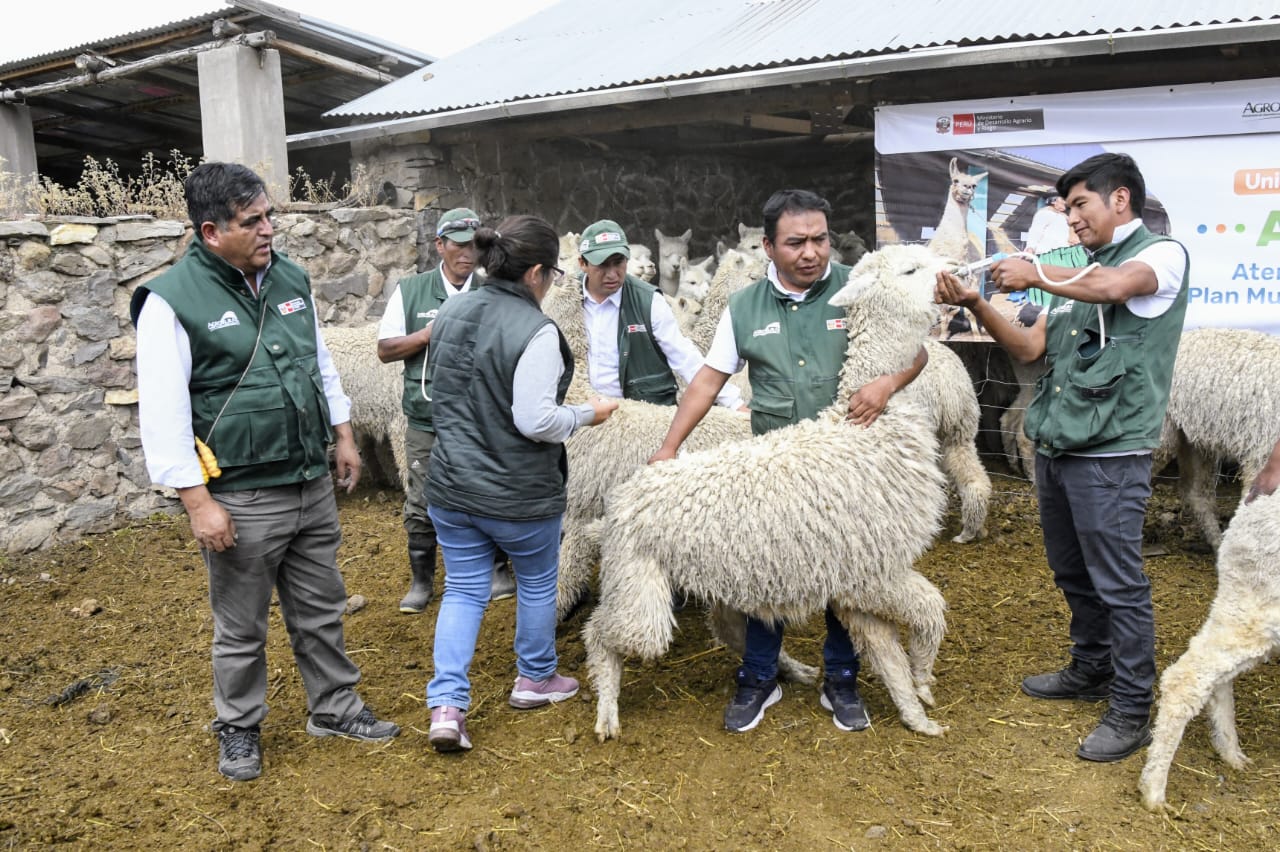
[(346, 457), (211, 525), (603, 408), (870, 400)]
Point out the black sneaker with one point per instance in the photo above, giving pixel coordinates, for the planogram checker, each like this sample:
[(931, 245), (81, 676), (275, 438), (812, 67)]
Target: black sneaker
[(749, 701), (1117, 736), (362, 726), (240, 752), (840, 696), (1070, 683)]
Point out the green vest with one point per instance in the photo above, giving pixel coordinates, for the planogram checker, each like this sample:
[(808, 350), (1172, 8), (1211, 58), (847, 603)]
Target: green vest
[(422, 295), (794, 350), (643, 371), (274, 424), (1098, 400), (480, 463)]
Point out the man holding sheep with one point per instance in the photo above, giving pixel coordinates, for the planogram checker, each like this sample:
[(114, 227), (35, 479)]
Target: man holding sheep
[(403, 335), (1110, 337), (634, 345), (794, 341)]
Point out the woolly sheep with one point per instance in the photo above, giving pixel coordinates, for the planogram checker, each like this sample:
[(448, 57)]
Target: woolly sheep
[(670, 250), (1242, 630), (375, 389), (813, 514), (1224, 403)]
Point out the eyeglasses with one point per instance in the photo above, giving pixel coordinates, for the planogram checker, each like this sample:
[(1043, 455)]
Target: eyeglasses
[(457, 225), (556, 274)]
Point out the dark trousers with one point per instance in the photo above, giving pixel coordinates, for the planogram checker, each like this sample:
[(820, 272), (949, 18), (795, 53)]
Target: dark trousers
[(1091, 512), (764, 643), (417, 451)]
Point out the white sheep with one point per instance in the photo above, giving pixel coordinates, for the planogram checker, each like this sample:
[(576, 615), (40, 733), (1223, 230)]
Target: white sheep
[(1242, 630), (694, 279), (818, 513), (641, 264), (670, 250), (375, 389), (1224, 403)]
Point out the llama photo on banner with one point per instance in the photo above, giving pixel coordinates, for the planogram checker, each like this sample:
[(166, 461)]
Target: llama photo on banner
[(974, 179)]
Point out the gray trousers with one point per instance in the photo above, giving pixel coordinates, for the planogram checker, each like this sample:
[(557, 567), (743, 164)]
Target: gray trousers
[(1091, 512), (288, 540), (417, 450)]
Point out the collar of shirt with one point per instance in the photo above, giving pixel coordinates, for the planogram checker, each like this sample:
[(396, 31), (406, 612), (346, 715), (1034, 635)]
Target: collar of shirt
[(256, 284), (772, 274), (614, 299), (451, 289), (1122, 232)]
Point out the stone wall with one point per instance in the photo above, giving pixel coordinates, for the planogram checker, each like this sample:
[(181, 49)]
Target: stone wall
[(70, 455), (572, 183)]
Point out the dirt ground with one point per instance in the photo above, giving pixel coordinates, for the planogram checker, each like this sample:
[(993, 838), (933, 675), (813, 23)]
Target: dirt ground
[(104, 741)]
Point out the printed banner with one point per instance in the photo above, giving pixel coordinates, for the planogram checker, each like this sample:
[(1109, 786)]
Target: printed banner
[(974, 178)]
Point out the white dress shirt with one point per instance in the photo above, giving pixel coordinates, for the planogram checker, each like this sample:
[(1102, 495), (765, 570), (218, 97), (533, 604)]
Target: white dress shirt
[(393, 322), (601, 321), (723, 353), (164, 401)]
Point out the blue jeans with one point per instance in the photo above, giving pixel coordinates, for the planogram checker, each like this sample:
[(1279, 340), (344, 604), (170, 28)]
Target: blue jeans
[(468, 543), (1091, 512), (764, 643)]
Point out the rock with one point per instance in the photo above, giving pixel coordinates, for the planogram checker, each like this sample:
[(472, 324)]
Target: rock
[(358, 215), (18, 489), (87, 608), (38, 324), (23, 228), (132, 231), (85, 354), (53, 384), (97, 254), (124, 348), (121, 397), (33, 255), (92, 515), (88, 434), (30, 535), (513, 811), (17, 403), (100, 289), (99, 715), (135, 264), (92, 323), (355, 603), (570, 734), (71, 263), (44, 287), (71, 233), (353, 285), (876, 832)]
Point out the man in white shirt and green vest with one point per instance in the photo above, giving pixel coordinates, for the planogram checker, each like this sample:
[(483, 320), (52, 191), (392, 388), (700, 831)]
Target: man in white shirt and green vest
[(230, 353), (794, 340), (1109, 341), (404, 335), (635, 348)]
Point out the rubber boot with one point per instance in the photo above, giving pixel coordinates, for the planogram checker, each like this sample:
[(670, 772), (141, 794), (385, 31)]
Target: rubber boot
[(422, 564)]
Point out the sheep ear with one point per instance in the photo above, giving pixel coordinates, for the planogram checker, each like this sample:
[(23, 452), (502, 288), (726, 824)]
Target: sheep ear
[(852, 290)]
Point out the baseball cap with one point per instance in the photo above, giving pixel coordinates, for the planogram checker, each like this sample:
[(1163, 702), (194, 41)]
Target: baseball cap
[(458, 224), (602, 241)]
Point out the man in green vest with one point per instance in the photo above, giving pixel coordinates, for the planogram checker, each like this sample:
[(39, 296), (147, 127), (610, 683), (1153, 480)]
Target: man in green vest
[(635, 347), (794, 340), (403, 335), (1109, 339), (230, 354)]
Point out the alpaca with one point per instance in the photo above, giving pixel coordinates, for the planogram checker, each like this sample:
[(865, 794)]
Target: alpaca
[(670, 250), (1242, 630), (861, 506), (952, 240)]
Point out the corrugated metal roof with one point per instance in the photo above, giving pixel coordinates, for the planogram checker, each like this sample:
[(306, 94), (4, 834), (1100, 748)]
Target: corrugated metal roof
[(319, 30), (586, 45)]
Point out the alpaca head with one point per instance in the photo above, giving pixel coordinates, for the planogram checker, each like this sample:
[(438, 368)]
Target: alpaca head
[(641, 263), (963, 186), (898, 279)]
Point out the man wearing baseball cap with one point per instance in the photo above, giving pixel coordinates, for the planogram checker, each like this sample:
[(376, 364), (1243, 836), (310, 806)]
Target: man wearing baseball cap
[(634, 345), (403, 335)]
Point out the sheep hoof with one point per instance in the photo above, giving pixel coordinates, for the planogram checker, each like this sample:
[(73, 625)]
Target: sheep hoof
[(930, 728), (1154, 802), (966, 537), (925, 694), (1236, 759), (607, 729)]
